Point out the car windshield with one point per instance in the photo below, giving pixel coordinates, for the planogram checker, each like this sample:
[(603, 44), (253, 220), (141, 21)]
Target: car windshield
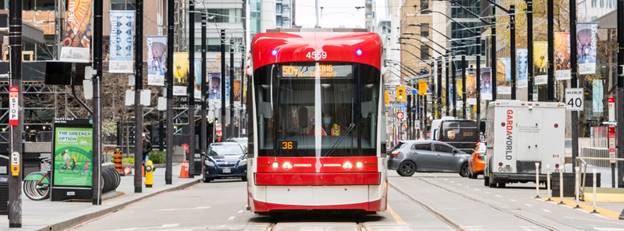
[(225, 150)]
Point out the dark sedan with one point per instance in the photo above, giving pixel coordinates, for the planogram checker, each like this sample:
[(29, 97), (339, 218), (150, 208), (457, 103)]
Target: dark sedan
[(225, 160), (427, 156)]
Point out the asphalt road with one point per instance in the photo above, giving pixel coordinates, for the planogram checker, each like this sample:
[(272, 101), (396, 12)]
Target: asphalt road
[(426, 201)]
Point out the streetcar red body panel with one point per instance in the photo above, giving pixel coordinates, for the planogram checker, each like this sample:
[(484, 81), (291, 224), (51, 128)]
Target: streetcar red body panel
[(315, 109)]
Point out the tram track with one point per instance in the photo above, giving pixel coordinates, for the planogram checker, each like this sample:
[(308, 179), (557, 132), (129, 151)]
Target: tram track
[(497, 208), (359, 226)]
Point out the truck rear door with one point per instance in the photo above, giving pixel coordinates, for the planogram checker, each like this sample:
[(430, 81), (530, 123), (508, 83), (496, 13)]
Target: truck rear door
[(528, 137)]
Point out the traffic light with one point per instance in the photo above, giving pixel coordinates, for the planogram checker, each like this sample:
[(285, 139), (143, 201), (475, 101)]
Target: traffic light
[(400, 94)]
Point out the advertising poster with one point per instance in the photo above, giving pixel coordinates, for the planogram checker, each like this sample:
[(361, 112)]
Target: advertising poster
[(77, 31), (73, 156), (597, 97), (121, 42), (522, 67), (214, 93), (180, 73), (586, 44), (156, 60), (562, 56), (503, 76), (486, 83), (540, 62), (471, 87)]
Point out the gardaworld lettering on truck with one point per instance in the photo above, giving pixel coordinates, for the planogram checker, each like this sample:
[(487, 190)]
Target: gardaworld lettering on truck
[(509, 141)]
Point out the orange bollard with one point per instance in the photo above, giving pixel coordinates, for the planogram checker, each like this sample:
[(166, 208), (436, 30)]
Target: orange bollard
[(184, 169)]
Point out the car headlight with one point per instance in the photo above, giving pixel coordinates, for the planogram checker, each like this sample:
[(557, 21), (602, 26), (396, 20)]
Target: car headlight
[(242, 162), (209, 163)]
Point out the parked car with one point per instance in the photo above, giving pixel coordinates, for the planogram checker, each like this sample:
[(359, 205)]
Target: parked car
[(409, 157), (242, 141), (225, 160), (476, 163)]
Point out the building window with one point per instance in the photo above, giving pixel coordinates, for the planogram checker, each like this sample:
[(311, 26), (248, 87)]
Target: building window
[(424, 30), (122, 5), (218, 15), (424, 52), (424, 4)]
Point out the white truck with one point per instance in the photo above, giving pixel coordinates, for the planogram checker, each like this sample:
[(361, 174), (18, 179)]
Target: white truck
[(519, 134)]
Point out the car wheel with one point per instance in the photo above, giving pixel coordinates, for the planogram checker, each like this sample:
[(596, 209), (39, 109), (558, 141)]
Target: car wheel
[(206, 179), (471, 174), (463, 171), (406, 168), (501, 184), (486, 180), (492, 181)]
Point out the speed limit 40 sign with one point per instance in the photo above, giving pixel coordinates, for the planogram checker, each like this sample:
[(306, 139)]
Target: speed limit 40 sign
[(574, 99)]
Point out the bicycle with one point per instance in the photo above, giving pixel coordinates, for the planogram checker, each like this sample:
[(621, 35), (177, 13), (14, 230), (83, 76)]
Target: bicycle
[(36, 185)]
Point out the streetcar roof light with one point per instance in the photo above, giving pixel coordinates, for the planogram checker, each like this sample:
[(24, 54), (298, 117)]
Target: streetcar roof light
[(358, 52), (274, 52)]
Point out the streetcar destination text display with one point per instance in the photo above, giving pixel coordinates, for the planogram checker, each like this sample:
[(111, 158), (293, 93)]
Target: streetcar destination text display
[(309, 71)]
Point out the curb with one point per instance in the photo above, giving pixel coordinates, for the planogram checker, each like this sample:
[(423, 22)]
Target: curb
[(63, 225), (587, 207)]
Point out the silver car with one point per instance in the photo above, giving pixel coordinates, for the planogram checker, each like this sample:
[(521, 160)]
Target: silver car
[(409, 157)]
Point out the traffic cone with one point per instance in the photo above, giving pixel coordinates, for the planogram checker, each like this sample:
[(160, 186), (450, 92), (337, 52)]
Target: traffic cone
[(184, 169)]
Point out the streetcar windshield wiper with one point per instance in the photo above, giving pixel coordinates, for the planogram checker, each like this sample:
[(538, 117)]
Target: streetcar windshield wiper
[(340, 139)]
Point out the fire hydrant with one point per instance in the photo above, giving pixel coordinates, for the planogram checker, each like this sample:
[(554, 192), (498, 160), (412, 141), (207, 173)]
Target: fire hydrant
[(149, 174)]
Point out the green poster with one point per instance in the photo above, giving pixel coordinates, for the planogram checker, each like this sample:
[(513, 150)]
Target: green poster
[(73, 156)]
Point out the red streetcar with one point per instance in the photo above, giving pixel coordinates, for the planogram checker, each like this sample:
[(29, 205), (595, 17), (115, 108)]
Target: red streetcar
[(316, 117)]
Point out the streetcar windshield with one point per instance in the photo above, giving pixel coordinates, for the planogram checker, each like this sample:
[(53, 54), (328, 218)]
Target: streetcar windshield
[(308, 109)]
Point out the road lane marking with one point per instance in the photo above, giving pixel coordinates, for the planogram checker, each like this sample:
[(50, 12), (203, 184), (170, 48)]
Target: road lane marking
[(546, 210), (528, 205), (395, 216), (608, 229), (513, 200), (499, 196), (240, 211), (231, 218), (183, 209), (169, 225)]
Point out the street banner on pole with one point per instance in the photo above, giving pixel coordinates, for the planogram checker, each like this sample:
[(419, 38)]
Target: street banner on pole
[(156, 60), (422, 87), (586, 45), (76, 39), (237, 90), (597, 97), (562, 56), (214, 93), (486, 83), (471, 87), (121, 41), (386, 98), (503, 76), (198, 77), (540, 62), (522, 67), (180, 73)]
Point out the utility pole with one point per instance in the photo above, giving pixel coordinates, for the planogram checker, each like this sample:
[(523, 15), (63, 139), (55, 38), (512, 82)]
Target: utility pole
[(15, 180), (573, 80), (138, 87), (97, 102), (529, 15), (447, 86), (454, 84), (190, 156), (316, 9), (439, 89), (222, 119), (410, 111), (170, 44), (464, 65), (493, 52), (512, 40), (242, 86), (620, 89), (478, 81), (550, 86), (231, 133), (203, 134)]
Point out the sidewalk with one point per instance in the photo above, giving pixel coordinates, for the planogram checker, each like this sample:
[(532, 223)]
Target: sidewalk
[(48, 215)]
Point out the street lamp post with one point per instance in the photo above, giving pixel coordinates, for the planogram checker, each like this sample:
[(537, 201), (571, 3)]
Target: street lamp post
[(190, 156), (138, 87), (464, 101), (15, 180), (170, 42), (97, 102), (203, 134)]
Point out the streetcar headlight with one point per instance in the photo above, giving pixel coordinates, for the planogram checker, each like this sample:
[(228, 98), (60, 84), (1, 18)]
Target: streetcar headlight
[(347, 165), (287, 165), (359, 165), (275, 165)]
